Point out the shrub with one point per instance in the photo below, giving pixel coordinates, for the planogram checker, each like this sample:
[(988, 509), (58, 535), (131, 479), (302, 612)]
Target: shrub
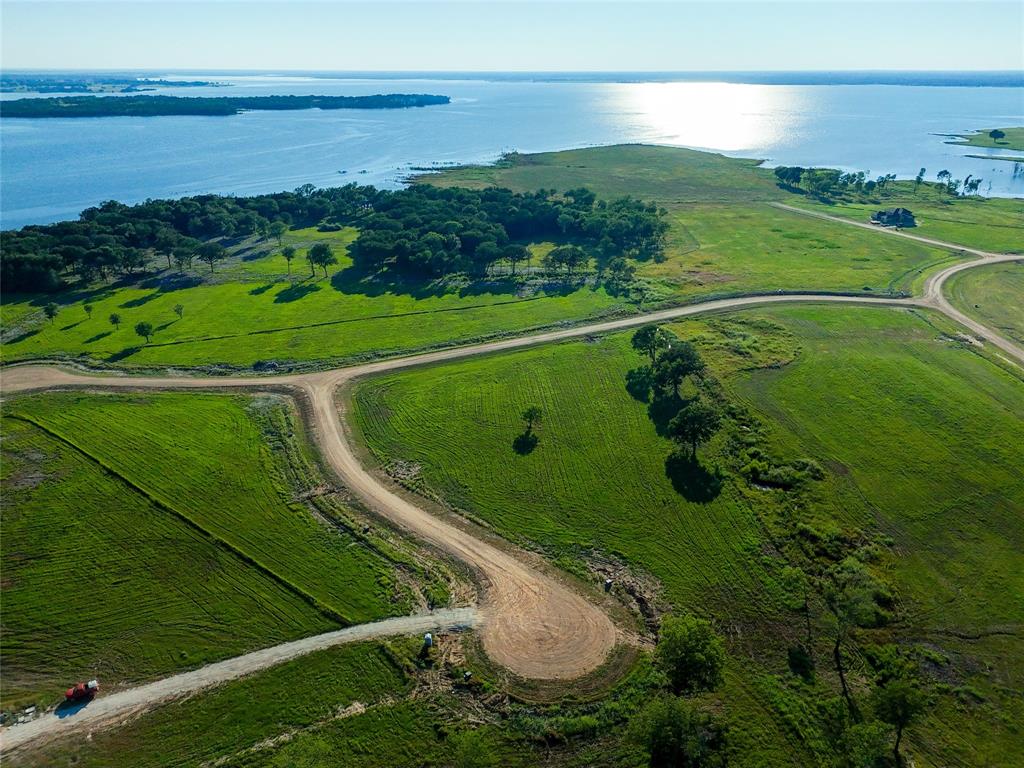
[(690, 653)]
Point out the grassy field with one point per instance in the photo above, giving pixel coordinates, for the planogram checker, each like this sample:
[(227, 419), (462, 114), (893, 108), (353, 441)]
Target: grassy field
[(666, 175), (993, 224), (147, 534), (1014, 139), (918, 436), (755, 247), (724, 240), (994, 295), (281, 702), (250, 310)]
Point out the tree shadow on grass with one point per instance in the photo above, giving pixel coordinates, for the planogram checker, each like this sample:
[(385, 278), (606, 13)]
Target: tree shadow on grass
[(255, 254), (167, 282), (525, 443), (690, 479), (97, 337), (124, 353), (139, 301), (295, 292), (662, 409), (22, 336), (640, 383), (260, 290), (69, 326)]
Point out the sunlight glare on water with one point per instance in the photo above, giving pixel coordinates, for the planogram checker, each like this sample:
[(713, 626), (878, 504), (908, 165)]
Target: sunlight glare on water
[(725, 116)]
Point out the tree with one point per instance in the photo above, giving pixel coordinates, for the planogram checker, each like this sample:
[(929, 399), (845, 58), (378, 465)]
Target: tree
[(144, 329), (851, 595), (183, 257), (88, 309), (321, 255), (675, 734), (289, 253), (650, 340), (678, 361), (51, 310), (211, 253), (165, 241), (919, 179), (695, 423), (515, 254), (899, 703), (179, 310), (277, 230), (943, 176), (532, 416), (690, 653), (995, 133), (115, 320)]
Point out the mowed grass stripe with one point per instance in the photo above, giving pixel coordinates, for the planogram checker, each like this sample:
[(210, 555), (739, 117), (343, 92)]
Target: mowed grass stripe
[(99, 581), (166, 506), (144, 592), (205, 451)]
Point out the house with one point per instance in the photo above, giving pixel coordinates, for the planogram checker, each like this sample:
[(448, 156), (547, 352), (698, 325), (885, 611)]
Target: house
[(894, 217)]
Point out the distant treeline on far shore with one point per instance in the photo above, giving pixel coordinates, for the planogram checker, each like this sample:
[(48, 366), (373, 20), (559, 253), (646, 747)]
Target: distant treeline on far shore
[(152, 106)]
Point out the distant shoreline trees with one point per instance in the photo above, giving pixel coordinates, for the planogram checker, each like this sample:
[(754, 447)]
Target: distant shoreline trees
[(217, 106)]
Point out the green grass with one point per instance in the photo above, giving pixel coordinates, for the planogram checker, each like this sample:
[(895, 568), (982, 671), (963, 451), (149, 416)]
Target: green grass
[(918, 436), (280, 702), (249, 310), (993, 224), (143, 534), (1014, 139), (994, 295), (666, 175), (754, 247)]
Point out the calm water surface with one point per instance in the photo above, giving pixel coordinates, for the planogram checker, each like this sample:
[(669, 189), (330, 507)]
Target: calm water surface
[(51, 169)]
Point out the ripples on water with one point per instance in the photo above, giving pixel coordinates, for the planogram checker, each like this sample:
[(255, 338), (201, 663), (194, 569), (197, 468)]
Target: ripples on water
[(53, 168)]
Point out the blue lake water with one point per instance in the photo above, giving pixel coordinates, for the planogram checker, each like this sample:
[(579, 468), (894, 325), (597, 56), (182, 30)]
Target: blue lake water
[(51, 169)]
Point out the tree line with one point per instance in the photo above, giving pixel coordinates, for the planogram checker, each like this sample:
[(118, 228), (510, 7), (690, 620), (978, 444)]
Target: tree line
[(431, 232), (215, 106), (421, 231), (826, 183)]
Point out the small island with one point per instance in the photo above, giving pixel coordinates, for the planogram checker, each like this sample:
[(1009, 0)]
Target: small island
[(154, 106), (996, 138)]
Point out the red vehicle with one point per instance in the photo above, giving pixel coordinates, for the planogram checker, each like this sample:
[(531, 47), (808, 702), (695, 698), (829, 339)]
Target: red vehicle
[(82, 691)]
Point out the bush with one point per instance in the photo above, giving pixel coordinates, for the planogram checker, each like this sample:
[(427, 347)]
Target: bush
[(690, 653), (675, 734)]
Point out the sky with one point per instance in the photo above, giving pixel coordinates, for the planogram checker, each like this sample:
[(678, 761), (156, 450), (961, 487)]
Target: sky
[(512, 36)]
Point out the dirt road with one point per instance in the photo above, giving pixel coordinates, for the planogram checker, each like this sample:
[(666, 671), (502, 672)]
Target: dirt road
[(107, 710), (530, 622)]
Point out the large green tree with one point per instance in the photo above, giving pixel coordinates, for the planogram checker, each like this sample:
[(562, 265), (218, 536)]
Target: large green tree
[(650, 340), (900, 702), (211, 253), (675, 363), (321, 255), (144, 330), (675, 734), (852, 595), (695, 423), (690, 653)]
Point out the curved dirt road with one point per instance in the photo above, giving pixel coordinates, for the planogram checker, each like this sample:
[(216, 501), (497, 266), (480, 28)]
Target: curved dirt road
[(115, 707), (530, 622)]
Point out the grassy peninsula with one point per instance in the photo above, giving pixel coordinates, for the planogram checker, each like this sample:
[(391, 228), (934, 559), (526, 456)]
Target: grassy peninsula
[(156, 106), (996, 138)]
